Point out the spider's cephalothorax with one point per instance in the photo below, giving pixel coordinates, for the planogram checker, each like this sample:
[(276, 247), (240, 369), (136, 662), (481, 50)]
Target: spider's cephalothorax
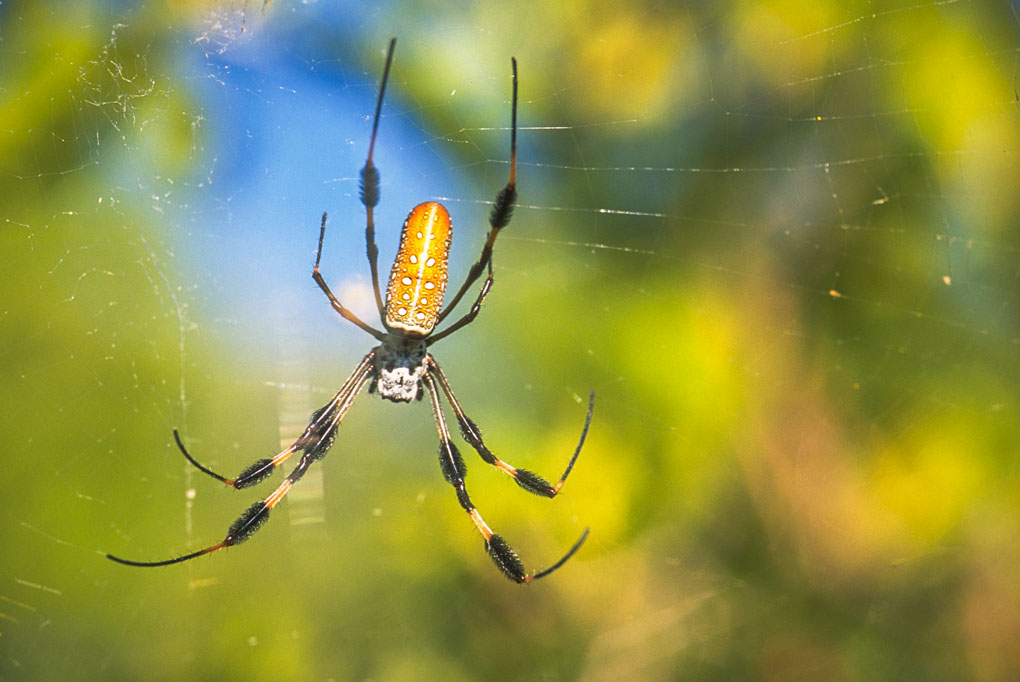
[(401, 369)]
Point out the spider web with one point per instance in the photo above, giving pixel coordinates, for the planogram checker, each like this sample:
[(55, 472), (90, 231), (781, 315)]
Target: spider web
[(777, 240)]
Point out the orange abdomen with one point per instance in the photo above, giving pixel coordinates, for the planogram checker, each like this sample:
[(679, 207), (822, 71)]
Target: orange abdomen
[(414, 296)]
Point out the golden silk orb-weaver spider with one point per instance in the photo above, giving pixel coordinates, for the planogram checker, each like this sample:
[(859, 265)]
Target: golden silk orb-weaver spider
[(400, 367)]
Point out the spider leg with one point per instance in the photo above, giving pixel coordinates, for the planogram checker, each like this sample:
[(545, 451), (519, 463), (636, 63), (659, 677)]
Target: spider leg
[(324, 426), (369, 197), (370, 187), (502, 211), (337, 305), (260, 470), (472, 314), (470, 432), (452, 463)]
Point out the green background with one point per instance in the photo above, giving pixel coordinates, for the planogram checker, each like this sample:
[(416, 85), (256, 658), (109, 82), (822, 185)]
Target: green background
[(778, 239)]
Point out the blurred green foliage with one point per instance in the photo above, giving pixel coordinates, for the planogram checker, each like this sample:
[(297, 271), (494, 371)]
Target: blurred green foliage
[(778, 239)]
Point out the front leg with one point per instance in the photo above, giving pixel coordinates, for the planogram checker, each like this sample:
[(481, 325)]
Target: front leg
[(454, 471)]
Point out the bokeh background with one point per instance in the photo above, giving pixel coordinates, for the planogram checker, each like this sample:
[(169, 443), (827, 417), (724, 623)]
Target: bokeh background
[(778, 239)]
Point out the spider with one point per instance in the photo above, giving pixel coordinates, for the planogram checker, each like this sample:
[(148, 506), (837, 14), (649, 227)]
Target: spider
[(400, 368)]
